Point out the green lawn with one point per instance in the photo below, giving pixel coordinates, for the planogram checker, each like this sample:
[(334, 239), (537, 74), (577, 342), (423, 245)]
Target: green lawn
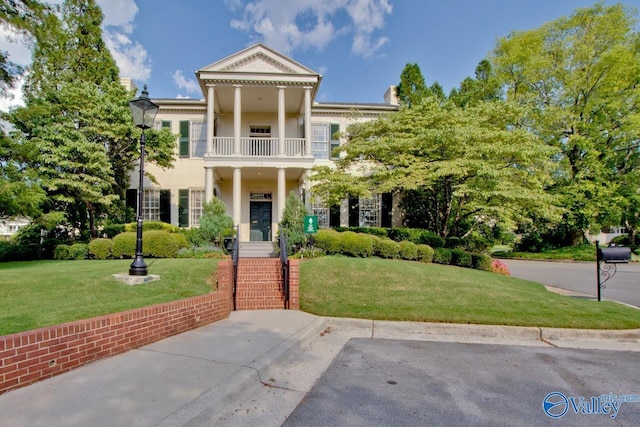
[(43, 293), (572, 253), (401, 290)]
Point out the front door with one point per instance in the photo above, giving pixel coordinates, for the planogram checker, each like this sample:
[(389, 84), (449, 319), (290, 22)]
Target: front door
[(260, 217)]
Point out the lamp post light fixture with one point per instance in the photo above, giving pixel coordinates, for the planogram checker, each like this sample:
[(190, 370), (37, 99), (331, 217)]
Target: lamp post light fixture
[(144, 113)]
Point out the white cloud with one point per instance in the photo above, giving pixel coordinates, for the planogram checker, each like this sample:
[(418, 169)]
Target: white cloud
[(288, 26), (191, 86), (131, 57)]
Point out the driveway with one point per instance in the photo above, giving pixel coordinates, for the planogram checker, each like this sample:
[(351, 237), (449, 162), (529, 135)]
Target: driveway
[(581, 277)]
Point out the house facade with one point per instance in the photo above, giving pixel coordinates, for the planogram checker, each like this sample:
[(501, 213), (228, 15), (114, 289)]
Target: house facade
[(252, 139)]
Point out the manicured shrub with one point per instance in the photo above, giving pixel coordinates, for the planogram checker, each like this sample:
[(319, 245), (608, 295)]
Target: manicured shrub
[(482, 262), (62, 252), (180, 239), (159, 244), (124, 245), (442, 256), (461, 258), (386, 248), (79, 251), (500, 267), (399, 234), (431, 239), (100, 248), (204, 251), (328, 240), (151, 225), (425, 253), (408, 250), (357, 245), (112, 230)]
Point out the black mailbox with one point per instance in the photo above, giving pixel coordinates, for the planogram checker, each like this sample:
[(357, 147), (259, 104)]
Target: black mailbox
[(614, 254)]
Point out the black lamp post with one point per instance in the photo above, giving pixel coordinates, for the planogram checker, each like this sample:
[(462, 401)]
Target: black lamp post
[(144, 113)]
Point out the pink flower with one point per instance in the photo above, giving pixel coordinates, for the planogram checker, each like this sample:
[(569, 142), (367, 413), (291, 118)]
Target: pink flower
[(500, 267)]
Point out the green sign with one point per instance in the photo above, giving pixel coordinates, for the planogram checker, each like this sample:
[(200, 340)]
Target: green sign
[(311, 224)]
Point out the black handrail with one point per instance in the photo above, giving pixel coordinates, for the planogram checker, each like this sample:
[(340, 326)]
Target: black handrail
[(284, 262), (235, 256)]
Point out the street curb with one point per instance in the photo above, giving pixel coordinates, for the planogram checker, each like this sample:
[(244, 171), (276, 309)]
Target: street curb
[(248, 379)]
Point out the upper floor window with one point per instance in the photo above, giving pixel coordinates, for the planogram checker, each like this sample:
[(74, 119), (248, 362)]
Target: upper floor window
[(193, 138), (324, 139)]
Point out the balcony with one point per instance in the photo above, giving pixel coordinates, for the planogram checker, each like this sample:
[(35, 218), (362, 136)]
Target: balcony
[(258, 147)]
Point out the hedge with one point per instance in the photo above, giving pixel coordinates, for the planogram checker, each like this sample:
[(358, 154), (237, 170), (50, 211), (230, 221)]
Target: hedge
[(386, 248), (482, 262), (461, 258), (68, 252), (357, 245), (100, 248), (408, 250), (124, 245), (328, 240), (425, 253), (442, 256)]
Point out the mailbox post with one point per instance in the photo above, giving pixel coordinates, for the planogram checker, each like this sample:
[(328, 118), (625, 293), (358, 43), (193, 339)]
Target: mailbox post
[(606, 261)]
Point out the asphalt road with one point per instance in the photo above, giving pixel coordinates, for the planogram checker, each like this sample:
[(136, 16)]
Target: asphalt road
[(581, 277), (416, 383)]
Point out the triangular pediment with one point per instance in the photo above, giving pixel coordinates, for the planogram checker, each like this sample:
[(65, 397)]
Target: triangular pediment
[(257, 59)]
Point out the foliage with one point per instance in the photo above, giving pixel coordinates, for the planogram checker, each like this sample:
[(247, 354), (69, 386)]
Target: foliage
[(111, 230), (100, 248), (412, 89), (75, 131), (470, 166), (76, 251), (204, 251), (461, 258), (408, 250), (500, 267), (328, 240), (425, 253), (482, 262), (160, 244), (292, 224), (442, 256), (124, 245), (386, 248), (578, 78), (132, 227), (356, 245), (214, 221), (62, 252)]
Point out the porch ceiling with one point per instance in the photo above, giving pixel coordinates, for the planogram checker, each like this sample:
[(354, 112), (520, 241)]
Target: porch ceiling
[(259, 174), (259, 99)]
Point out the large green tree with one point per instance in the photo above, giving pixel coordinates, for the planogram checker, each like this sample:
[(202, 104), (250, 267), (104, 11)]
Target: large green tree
[(76, 121), (580, 78), (475, 166)]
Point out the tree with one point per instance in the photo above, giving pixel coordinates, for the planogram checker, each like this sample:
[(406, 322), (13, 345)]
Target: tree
[(214, 221), (292, 224), (76, 121), (412, 88), (485, 87), (579, 76), (475, 165)]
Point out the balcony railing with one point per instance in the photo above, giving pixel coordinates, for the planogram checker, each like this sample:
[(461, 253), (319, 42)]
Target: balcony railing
[(258, 147)]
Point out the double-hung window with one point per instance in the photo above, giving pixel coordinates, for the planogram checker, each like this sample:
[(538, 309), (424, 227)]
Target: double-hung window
[(151, 205), (198, 138), (195, 202), (324, 139)]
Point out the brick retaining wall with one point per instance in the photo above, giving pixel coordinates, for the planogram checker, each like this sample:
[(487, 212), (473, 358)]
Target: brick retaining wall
[(35, 355)]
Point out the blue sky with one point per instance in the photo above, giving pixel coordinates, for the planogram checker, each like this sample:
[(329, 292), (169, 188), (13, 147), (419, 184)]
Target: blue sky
[(359, 46)]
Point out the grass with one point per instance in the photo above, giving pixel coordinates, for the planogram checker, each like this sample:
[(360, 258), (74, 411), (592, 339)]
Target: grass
[(399, 290), (42, 293), (574, 253)]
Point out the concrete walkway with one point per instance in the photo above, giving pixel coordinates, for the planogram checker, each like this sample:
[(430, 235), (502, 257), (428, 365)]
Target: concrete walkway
[(251, 370)]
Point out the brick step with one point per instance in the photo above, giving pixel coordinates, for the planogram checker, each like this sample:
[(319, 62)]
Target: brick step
[(259, 284)]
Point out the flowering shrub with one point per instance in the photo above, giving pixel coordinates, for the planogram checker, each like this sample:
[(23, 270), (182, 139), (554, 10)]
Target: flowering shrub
[(500, 267)]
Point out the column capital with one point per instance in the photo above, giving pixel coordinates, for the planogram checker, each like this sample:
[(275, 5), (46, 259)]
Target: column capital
[(281, 87)]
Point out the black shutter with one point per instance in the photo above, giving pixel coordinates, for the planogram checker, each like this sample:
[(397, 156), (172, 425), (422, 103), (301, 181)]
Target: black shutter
[(184, 138), (386, 210), (183, 208), (354, 212), (132, 199), (165, 206), (334, 216)]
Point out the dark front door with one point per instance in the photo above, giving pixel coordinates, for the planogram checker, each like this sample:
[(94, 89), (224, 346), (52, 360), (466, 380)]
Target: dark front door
[(260, 221)]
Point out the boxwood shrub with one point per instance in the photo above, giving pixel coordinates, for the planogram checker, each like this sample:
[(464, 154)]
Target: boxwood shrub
[(386, 248), (124, 245), (328, 240), (162, 244), (357, 245), (461, 258), (408, 250), (482, 262), (100, 248), (442, 256), (425, 253), (62, 252)]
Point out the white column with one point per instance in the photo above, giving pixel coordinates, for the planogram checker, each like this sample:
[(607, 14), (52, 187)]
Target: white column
[(307, 189), (208, 184), (307, 121), (237, 195), (281, 122), (237, 119), (282, 193), (210, 118)]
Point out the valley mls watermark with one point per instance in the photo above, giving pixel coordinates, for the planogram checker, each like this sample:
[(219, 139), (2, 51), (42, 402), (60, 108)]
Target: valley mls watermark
[(556, 404)]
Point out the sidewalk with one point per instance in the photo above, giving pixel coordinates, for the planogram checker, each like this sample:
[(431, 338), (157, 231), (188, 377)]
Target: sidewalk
[(251, 369)]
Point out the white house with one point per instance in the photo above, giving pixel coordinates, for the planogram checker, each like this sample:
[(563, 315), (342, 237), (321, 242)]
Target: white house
[(252, 139)]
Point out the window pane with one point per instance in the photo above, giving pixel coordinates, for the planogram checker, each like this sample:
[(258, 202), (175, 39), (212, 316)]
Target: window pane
[(322, 212), (151, 205), (320, 140), (198, 139), (370, 212), (197, 198)]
